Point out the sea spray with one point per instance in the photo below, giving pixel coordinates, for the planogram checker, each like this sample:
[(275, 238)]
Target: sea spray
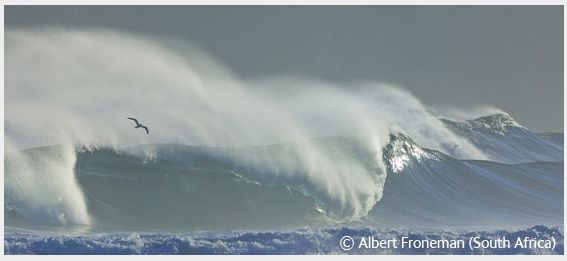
[(41, 187), (86, 82)]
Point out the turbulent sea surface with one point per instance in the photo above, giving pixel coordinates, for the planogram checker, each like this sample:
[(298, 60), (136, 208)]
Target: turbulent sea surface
[(178, 199), (297, 242)]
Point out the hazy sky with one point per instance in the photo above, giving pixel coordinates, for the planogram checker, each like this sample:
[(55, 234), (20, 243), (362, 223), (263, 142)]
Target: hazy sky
[(507, 57)]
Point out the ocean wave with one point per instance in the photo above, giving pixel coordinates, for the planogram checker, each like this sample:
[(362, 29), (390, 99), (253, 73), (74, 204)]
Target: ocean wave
[(273, 152), (503, 139), (175, 187)]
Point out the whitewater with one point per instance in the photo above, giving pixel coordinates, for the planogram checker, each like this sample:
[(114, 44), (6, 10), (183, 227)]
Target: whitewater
[(274, 165)]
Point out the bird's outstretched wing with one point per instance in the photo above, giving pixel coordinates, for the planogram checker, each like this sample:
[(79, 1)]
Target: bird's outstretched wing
[(146, 128), (136, 121)]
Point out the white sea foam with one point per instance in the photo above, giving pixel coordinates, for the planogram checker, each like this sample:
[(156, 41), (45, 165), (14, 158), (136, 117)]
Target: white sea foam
[(43, 187)]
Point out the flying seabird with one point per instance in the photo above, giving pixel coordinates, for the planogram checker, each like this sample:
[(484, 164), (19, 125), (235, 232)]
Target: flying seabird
[(138, 125)]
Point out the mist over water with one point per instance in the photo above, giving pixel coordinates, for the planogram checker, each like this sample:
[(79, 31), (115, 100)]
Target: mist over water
[(76, 87)]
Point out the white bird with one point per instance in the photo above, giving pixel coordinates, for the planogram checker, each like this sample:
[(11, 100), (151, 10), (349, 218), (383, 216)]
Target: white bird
[(138, 125)]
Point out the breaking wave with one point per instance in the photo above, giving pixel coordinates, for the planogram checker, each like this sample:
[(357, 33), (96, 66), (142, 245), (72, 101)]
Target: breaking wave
[(274, 153), (186, 188)]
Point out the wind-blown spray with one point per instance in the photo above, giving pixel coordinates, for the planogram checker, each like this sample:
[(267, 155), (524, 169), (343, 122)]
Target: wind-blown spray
[(78, 86)]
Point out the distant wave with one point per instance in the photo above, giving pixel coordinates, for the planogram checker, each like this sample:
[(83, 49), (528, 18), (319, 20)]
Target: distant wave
[(504, 140), (293, 242)]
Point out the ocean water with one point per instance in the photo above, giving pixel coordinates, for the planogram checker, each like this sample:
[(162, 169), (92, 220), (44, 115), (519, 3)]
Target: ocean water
[(215, 200), (292, 242), (278, 165)]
